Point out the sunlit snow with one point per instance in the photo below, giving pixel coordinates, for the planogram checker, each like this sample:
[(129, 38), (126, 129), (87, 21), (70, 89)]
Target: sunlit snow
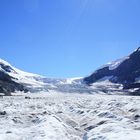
[(58, 116)]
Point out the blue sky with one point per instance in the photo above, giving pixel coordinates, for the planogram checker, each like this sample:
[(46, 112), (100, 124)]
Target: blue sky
[(67, 38)]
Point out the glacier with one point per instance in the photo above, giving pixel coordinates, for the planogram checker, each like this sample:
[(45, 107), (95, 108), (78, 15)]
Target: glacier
[(59, 116)]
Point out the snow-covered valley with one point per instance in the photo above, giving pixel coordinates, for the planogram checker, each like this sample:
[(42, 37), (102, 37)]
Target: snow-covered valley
[(59, 116)]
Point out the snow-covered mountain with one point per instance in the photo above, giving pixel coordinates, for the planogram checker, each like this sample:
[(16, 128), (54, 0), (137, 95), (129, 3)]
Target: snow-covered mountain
[(26, 80), (125, 71)]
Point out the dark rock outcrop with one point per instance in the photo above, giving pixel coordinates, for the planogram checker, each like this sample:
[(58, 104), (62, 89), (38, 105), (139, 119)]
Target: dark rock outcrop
[(8, 85)]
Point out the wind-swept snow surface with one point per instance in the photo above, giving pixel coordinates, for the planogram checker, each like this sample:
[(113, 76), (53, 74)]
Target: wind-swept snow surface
[(69, 117)]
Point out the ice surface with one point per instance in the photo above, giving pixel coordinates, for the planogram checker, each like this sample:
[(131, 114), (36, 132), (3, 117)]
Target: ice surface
[(58, 116)]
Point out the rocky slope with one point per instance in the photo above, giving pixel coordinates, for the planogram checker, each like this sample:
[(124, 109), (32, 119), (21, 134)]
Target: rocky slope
[(125, 71)]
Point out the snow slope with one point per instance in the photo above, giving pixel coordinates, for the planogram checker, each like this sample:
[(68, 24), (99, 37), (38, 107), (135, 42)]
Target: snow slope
[(58, 116), (19, 75), (114, 64)]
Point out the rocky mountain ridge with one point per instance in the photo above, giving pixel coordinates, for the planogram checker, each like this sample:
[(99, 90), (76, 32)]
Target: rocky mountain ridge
[(125, 71)]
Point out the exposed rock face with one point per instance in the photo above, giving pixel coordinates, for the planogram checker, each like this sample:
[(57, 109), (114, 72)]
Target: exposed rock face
[(8, 85), (125, 73)]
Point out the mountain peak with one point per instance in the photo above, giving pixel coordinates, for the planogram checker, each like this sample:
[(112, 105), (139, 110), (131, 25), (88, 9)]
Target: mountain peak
[(138, 49)]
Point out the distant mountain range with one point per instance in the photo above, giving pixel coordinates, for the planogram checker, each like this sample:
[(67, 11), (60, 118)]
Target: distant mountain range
[(122, 75)]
